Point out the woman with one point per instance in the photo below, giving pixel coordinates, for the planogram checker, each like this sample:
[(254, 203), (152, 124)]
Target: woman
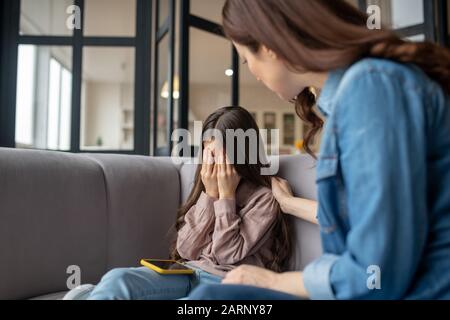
[(230, 218), (383, 173)]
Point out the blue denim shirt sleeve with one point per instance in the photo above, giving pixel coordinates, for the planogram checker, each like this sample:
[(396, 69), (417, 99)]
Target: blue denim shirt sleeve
[(316, 278), (380, 128)]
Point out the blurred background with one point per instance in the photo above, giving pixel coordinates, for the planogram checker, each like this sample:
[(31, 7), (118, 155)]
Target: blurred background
[(138, 69)]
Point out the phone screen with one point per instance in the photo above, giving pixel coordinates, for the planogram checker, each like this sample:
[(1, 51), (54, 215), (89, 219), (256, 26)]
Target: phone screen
[(167, 265)]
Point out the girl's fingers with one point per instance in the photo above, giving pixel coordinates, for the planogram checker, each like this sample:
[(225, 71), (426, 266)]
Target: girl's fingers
[(220, 162), (210, 165), (229, 166), (225, 165), (221, 159), (204, 160), (205, 155), (222, 168)]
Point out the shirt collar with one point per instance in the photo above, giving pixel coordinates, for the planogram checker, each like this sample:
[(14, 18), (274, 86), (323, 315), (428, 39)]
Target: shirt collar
[(328, 92)]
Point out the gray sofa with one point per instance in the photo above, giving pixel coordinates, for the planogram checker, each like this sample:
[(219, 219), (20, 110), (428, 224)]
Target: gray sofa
[(100, 212)]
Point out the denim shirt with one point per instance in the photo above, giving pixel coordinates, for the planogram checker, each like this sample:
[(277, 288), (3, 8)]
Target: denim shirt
[(383, 177)]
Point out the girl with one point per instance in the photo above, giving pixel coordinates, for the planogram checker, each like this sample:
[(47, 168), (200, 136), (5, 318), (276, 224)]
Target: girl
[(230, 218), (383, 173)]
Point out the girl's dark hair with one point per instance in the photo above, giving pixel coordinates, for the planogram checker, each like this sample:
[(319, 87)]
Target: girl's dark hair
[(237, 118), (323, 35)]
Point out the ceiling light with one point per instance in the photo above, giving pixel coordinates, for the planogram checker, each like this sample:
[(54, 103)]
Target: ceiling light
[(229, 72)]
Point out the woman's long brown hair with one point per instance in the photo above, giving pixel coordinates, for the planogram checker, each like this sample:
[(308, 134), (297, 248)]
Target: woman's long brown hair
[(237, 118), (324, 35)]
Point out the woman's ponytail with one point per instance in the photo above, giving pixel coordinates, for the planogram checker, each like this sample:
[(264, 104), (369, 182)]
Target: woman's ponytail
[(304, 106)]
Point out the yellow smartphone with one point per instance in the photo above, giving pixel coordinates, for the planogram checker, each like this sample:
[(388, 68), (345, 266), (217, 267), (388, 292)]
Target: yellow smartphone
[(166, 267)]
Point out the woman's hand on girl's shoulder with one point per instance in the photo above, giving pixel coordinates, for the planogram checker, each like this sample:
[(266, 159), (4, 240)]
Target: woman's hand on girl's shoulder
[(281, 190), (301, 208)]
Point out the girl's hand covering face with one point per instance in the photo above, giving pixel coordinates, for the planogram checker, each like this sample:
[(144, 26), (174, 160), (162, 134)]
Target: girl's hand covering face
[(227, 177), (209, 174)]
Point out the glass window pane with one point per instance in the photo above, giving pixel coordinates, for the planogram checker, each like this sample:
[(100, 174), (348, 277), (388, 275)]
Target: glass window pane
[(44, 97), (417, 38), (110, 18), (45, 17), (210, 86), (107, 105), (289, 129), (163, 92), (54, 93), (400, 13), (66, 110), (208, 9), (25, 94), (406, 13), (163, 13)]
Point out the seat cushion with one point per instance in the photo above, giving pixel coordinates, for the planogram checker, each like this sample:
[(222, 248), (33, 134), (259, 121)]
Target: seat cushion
[(51, 296)]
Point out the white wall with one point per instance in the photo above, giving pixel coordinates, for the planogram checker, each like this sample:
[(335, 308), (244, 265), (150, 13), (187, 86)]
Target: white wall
[(102, 113)]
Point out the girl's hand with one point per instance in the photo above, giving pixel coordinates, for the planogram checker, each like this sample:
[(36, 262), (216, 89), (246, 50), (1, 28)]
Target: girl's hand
[(227, 178), (281, 191), (209, 174)]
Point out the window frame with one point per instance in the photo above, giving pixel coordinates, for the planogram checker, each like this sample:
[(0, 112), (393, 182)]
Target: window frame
[(187, 20), (141, 44)]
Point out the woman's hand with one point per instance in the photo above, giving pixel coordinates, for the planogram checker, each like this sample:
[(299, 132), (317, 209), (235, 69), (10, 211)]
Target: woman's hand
[(209, 174), (281, 191), (298, 207), (287, 282), (252, 276), (227, 178)]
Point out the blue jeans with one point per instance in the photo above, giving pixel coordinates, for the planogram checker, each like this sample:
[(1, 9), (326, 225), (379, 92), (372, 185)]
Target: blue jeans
[(145, 284), (237, 292)]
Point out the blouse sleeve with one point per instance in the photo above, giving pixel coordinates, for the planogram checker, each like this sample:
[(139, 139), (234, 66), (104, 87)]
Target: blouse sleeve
[(195, 235)]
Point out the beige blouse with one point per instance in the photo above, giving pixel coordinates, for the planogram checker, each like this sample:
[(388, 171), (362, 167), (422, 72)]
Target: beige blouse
[(219, 235)]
